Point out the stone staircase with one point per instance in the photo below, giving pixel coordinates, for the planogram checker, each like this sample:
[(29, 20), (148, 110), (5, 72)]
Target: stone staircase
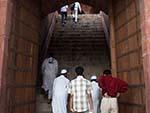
[(80, 44), (42, 105)]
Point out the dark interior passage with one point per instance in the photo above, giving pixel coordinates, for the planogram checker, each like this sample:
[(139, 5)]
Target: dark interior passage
[(82, 44)]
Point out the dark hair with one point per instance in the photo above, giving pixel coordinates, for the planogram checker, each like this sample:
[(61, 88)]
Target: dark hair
[(107, 72), (93, 80), (50, 55), (79, 70)]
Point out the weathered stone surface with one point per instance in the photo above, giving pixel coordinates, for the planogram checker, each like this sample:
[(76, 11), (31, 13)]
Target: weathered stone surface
[(3, 55), (145, 27)]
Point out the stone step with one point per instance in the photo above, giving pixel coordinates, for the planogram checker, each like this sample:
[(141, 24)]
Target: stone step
[(80, 22), (76, 48), (42, 105), (89, 41), (76, 27), (82, 17), (77, 52), (71, 38), (79, 33), (80, 38), (71, 30), (78, 43)]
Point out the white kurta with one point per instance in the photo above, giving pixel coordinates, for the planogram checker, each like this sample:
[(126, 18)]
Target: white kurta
[(60, 94), (49, 71), (96, 96)]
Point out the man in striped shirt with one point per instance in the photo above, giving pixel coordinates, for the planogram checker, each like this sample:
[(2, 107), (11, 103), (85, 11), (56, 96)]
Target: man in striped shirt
[(80, 89)]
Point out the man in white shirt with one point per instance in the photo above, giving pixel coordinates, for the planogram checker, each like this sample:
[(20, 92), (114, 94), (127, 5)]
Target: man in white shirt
[(77, 7), (60, 93), (49, 71), (63, 11), (96, 94)]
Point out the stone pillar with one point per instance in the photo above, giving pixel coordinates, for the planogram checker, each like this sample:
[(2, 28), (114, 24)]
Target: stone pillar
[(145, 29), (5, 12), (112, 40)]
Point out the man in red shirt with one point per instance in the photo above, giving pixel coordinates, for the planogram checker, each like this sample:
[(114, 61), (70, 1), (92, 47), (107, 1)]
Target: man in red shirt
[(111, 89)]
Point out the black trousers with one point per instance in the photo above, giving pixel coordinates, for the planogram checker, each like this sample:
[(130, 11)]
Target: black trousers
[(63, 17)]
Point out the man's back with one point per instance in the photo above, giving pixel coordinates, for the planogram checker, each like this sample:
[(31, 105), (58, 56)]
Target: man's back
[(64, 8), (60, 93), (60, 86), (80, 88), (112, 85), (77, 6), (96, 91)]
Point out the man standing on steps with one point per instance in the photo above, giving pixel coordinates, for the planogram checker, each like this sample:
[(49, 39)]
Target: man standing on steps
[(49, 71), (63, 12), (76, 7), (96, 94), (111, 89), (79, 91), (60, 93)]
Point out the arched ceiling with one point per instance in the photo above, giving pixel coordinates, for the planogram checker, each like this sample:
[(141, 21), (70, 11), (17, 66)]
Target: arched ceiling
[(89, 6)]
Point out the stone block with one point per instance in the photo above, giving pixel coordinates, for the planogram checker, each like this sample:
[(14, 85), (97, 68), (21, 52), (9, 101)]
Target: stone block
[(134, 77), (3, 12), (122, 33), (147, 27), (134, 59), (29, 19), (121, 18), (132, 28), (134, 96), (119, 5), (133, 43), (131, 11), (146, 5)]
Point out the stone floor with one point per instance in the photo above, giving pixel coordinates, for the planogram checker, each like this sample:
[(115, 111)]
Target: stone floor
[(42, 105)]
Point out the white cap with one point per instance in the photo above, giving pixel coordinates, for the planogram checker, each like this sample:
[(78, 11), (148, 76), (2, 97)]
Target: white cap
[(63, 71), (93, 77)]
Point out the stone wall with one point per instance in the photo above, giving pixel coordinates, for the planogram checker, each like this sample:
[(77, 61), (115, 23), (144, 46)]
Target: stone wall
[(145, 29), (23, 44), (5, 11), (129, 54)]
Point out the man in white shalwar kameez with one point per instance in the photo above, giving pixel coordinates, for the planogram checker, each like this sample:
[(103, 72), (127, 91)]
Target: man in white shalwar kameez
[(60, 93), (49, 71), (96, 94), (77, 7)]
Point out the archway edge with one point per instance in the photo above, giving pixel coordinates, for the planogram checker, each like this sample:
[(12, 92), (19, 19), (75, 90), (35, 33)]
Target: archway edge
[(49, 6)]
